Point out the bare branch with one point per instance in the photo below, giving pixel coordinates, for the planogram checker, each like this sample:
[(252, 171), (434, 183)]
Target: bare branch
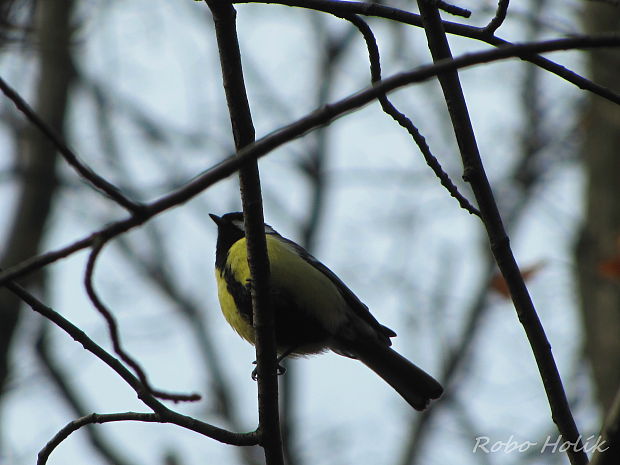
[(403, 120), (498, 19), (93, 418), (448, 8), (114, 335), (157, 271), (169, 416), (339, 8), (78, 335), (73, 397), (224, 17), (71, 158)]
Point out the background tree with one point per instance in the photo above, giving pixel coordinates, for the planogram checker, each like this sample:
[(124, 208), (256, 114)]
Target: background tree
[(599, 245), (34, 155)]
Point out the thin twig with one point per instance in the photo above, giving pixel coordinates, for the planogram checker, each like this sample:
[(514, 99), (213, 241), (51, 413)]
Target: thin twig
[(317, 118), (114, 334), (108, 449), (526, 179), (170, 416), (449, 8), (72, 159), (403, 120), (93, 418), (340, 8), (160, 275), (78, 335), (498, 19)]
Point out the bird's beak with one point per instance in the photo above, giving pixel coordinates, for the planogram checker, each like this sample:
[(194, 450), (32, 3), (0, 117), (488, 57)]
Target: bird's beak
[(216, 219)]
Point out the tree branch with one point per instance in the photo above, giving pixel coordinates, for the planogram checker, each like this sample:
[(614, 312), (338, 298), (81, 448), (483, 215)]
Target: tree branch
[(389, 108), (449, 8), (154, 265), (93, 418), (498, 19), (339, 8), (475, 174), (72, 396), (224, 16), (169, 416), (114, 334), (70, 157)]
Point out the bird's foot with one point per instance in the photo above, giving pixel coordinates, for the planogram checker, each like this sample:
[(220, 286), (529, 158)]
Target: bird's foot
[(280, 370)]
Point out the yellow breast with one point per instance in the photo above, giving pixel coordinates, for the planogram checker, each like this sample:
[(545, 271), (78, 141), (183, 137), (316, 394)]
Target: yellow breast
[(312, 291), (229, 309)]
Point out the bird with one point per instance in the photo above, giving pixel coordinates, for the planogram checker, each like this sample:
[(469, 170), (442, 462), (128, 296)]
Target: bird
[(314, 311)]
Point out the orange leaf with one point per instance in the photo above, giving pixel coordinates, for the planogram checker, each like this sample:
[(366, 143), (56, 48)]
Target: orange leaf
[(610, 268), (499, 285)]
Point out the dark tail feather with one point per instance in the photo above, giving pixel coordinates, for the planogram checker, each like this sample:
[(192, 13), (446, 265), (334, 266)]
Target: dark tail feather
[(415, 385)]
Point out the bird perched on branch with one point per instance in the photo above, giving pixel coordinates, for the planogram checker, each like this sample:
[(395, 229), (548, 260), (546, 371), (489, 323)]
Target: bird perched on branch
[(314, 310)]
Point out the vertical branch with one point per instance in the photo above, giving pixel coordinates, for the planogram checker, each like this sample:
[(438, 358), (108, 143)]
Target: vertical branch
[(224, 16), (475, 174)]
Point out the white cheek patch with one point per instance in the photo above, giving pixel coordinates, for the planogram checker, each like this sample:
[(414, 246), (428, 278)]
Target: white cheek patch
[(241, 227), (239, 224)]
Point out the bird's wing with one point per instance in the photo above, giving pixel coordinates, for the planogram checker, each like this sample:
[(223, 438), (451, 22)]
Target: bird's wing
[(351, 299)]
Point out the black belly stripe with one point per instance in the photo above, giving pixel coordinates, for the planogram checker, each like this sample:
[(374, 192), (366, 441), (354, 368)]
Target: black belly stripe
[(241, 294), (294, 326)]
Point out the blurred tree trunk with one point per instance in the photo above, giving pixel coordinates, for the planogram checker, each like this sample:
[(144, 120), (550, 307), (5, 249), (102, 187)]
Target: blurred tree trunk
[(600, 239), (35, 157)]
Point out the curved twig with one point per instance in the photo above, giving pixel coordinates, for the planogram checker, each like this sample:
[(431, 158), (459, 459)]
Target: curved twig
[(403, 120), (113, 329), (93, 418), (449, 8), (73, 397)]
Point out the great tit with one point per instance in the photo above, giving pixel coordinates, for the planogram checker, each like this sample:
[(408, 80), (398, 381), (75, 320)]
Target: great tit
[(314, 310)]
